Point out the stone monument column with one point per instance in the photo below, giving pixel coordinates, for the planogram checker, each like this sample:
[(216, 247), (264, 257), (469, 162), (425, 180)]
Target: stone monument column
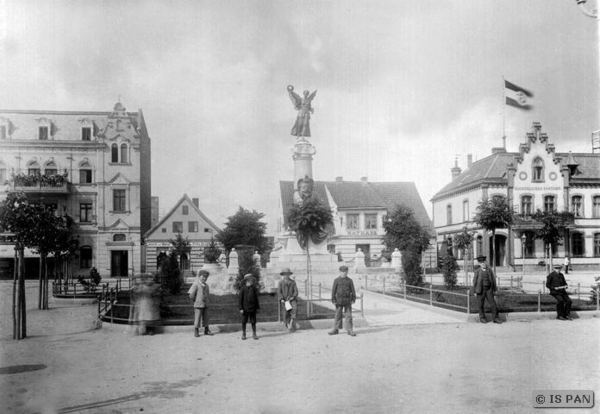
[(302, 154)]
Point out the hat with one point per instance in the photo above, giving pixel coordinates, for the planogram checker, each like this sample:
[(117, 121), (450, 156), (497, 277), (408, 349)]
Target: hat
[(344, 268), (286, 271), (248, 276), (558, 266), (481, 258), (203, 272)]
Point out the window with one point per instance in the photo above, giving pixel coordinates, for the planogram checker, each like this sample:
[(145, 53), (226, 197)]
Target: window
[(526, 205), (596, 207), (2, 131), (449, 214), (85, 174), (85, 212), (530, 244), (85, 257), (466, 215), (50, 169), (207, 230), (370, 221), (577, 206), (86, 134), (597, 245), (119, 237), (352, 221), (549, 203), (537, 173), (114, 153), (193, 226), (119, 200), (124, 153), (164, 230), (577, 244), (43, 133), (185, 210), (177, 227), (33, 169)]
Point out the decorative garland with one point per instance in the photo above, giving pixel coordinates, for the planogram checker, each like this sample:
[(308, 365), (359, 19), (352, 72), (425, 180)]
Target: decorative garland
[(310, 220)]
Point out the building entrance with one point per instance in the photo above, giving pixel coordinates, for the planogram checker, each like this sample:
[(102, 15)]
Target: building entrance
[(119, 260)]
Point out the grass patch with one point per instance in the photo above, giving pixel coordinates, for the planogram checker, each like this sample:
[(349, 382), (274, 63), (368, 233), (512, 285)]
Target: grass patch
[(179, 310), (506, 300)]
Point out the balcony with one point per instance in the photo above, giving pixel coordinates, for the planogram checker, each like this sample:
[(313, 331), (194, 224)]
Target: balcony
[(40, 184)]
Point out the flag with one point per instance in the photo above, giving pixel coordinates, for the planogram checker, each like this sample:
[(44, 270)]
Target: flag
[(517, 96)]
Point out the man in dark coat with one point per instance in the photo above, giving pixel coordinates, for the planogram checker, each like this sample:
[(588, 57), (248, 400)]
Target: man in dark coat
[(287, 291), (248, 304), (343, 296), (558, 289), (484, 287)]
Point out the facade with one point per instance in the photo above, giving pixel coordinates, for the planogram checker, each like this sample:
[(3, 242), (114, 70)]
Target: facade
[(535, 177), (359, 208), (93, 166), (186, 219)]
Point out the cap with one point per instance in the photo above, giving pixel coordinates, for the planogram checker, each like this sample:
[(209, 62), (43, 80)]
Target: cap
[(558, 266), (248, 276), (344, 268), (286, 271), (203, 272), (481, 258)]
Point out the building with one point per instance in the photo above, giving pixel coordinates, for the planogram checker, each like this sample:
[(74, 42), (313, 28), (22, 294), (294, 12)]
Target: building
[(359, 208), (186, 219), (535, 177), (101, 165)]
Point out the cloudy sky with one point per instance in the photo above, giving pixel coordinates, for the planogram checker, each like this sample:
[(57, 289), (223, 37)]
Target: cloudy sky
[(404, 86)]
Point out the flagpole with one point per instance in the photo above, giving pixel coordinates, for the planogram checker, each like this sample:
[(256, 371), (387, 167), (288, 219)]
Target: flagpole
[(503, 111)]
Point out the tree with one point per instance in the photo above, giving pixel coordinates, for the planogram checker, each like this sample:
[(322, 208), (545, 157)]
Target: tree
[(171, 279), (246, 265), (244, 228), (463, 241), (492, 214), (404, 232), (552, 229), (212, 252), (181, 247), (449, 269)]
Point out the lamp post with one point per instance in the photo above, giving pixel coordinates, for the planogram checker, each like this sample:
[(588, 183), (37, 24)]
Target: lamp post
[(523, 241)]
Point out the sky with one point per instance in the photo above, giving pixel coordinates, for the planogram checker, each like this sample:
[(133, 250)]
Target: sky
[(405, 88)]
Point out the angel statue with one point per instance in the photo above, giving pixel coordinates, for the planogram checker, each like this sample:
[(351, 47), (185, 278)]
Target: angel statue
[(302, 105)]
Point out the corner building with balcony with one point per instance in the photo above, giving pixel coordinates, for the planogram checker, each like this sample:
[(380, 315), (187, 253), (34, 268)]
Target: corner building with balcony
[(93, 166), (535, 177)]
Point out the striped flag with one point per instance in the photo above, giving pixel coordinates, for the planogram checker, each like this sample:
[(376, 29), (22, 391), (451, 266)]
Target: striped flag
[(517, 96)]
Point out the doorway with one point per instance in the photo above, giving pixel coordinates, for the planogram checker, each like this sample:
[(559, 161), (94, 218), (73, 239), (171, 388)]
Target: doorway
[(119, 260), (499, 254)]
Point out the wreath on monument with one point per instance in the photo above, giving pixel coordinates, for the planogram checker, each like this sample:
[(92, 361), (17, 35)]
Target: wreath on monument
[(310, 221)]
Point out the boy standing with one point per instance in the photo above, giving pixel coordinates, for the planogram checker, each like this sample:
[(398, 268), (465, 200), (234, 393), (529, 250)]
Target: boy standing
[(343, 296), (199, 294), (248, 304), (288, 292)]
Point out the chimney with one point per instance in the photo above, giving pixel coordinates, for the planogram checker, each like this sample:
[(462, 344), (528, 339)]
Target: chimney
[(469, 160), (498, 150), (364, 180), (195, 201), (456, 169), (339, 179)]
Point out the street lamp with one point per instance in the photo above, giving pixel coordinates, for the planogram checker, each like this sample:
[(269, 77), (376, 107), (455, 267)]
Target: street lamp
[(590, 11), (523, 241)]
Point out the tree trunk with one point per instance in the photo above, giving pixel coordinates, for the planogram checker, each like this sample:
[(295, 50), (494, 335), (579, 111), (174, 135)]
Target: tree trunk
[(14, 294), (21, 305), (41, 283), (45, 304), (494, 250)]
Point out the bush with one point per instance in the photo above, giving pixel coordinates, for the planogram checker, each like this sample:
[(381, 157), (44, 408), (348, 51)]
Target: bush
[(247, 265), (411, 264), (212, 252), (171, 278), (449, 269), (95, 276)]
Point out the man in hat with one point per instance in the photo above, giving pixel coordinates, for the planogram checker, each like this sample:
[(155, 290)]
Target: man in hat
[(199, 292), (558, 289), (287, 291), (484, 287), (248, 304), (343, 296)]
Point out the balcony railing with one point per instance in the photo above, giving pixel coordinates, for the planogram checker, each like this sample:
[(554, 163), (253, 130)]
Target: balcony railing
[(37, 183)]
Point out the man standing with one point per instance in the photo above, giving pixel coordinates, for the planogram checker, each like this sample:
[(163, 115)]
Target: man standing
[(484, 287), (199, 295), (287, 292), (343, 296), (558, 289)]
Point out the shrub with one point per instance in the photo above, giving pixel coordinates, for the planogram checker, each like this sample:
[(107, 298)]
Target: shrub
[(171, 278), (449, 269), (411, 264), (212, 252), (247, 265)]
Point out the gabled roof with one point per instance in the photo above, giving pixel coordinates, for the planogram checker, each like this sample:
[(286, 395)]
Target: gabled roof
[(493, 169), (175, 207), (359, 195)]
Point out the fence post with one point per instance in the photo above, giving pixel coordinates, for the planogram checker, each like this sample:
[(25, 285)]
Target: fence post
[(543, 288), (278, 311), (430, 296), (75, 290), (366, 282), (384, 286), (111, 310), (598, 300), (319, 291), (362, 308), (578, 291), (404, 283), (539, 301), (511, 283), (468, 303)]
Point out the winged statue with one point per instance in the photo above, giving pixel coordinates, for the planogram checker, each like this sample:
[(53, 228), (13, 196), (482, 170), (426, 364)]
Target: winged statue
[(303, 106)]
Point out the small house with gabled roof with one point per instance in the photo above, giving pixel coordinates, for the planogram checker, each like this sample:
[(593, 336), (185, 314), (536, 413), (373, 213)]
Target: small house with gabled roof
[(184, 218), (358, 208)]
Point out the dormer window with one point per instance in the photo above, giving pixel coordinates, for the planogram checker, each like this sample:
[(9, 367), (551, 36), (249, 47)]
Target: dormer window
[(43, 133), (86, 133), (537, 173)]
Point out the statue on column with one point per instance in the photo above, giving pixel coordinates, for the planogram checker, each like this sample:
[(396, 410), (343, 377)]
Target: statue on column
[(301, 128), (304, 190)]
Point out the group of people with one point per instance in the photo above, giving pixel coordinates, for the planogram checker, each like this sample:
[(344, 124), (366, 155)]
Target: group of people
[(484, 288), (343, 295)]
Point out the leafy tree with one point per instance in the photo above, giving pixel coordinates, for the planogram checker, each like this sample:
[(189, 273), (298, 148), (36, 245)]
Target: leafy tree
[(553, 226), (171, 278), (245, 228), (492, 214), (181, 247), (212, 252), (463, 241), (403, 231), (449, 270), (246, 265)]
